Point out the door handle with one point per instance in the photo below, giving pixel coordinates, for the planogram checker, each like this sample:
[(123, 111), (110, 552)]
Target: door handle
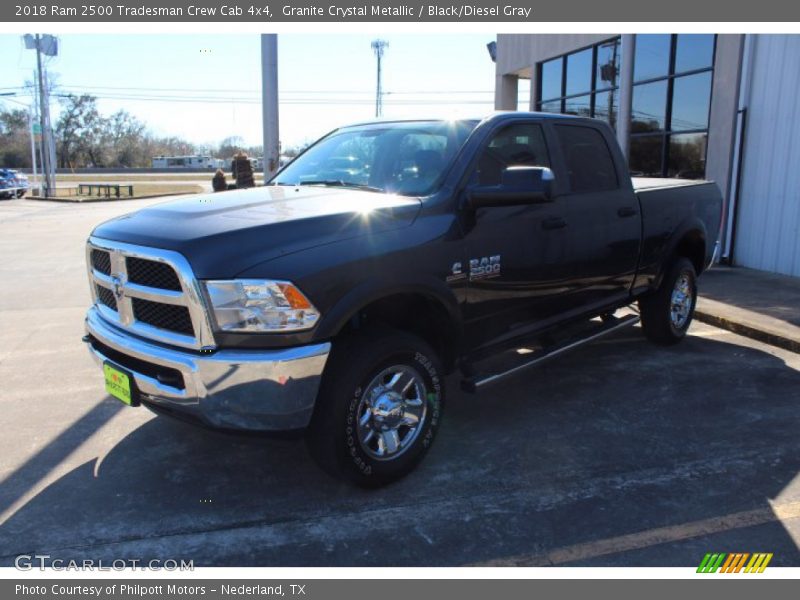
[(553, 223), (626, 211)]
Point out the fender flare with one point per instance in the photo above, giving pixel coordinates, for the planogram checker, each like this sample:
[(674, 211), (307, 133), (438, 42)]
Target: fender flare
[(687, 226), (373, 289)]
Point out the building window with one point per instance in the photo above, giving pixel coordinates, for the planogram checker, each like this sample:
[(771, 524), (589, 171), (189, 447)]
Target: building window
[(582, 83), (671, 103)]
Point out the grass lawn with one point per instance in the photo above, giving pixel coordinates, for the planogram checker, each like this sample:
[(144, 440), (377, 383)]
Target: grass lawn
[(133, 177), (140, 190)]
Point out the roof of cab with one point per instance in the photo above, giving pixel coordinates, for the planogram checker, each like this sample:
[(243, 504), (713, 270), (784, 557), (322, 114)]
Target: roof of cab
[(493, 116)]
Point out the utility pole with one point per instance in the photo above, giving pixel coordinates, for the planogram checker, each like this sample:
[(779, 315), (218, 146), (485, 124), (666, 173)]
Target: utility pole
[(378, 46), (46, 167), (269, 101), (48, 45), (38, 134)]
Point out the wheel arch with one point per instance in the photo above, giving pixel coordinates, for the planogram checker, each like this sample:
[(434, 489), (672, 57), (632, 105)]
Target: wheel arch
[(689, 241), (425, 308)]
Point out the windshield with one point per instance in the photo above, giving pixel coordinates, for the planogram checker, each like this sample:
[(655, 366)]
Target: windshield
[(408, 158)]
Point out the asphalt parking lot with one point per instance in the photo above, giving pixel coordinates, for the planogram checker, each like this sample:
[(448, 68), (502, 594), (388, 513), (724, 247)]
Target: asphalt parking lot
[(621, 453)]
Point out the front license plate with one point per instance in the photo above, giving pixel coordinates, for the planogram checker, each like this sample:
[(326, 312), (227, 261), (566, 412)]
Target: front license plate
[(119, 385)]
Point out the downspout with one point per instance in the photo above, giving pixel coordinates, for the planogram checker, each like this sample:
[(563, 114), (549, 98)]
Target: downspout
[(745, 85)]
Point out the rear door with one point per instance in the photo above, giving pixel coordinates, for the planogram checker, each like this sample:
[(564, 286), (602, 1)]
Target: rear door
[(603, 215)]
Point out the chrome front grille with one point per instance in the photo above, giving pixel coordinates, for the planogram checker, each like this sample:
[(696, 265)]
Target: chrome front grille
[(106, 297), (149, 292), (163, 316), (101, 260), (151, 273)]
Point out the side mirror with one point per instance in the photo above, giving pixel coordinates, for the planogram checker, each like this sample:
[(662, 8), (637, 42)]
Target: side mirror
[(518, 186)]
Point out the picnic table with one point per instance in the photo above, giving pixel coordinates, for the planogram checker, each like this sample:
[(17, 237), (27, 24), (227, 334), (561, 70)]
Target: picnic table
[(104, 189)]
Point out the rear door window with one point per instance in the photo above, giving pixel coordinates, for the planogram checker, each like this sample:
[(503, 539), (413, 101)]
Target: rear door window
[(590, 166)]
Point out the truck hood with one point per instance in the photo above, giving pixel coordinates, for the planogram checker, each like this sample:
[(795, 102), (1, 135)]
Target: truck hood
[(225, 233)]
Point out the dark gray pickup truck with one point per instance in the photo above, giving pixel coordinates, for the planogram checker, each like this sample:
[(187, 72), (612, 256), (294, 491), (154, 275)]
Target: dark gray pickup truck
[(336, 299)]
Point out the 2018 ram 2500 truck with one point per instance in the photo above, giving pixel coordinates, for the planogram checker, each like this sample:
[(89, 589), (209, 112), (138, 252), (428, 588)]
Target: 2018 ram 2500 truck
[(337, 298)]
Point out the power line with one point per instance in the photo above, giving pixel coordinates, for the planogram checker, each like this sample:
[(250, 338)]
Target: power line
[(296, 101), (257, 91)]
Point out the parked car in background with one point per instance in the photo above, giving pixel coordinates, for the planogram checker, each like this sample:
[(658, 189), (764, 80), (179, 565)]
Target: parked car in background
[(13, 183)]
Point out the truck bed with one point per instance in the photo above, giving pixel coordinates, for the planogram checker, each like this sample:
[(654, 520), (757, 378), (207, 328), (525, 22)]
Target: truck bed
[(663, 202)]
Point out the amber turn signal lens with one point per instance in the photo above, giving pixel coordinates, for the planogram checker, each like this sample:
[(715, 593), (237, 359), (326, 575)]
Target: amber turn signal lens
[(295, 298)]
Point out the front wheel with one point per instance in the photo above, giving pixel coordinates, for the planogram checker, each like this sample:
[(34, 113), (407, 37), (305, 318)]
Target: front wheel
[(379, 407), (667, 313)]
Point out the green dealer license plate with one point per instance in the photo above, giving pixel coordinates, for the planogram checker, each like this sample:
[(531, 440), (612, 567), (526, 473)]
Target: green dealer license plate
[(119, 384)]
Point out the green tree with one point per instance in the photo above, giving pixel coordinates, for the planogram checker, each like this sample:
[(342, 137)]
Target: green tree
[(15, 148), (79, 132), (125, 138)]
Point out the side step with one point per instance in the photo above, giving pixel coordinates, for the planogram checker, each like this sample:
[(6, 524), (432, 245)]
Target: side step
[(480, 381)]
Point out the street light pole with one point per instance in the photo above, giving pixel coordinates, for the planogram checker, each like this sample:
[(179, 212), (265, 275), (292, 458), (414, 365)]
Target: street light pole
[(378, 46), (269, 100)]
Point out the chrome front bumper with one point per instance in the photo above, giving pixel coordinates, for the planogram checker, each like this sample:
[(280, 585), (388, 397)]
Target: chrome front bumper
[(257, 390)]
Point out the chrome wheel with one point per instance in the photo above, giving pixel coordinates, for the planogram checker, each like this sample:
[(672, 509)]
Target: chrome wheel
[(392, 412), (680, 306)]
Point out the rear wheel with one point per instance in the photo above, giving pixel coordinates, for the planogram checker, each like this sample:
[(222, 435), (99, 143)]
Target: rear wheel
[(667, 313), (379, 407)]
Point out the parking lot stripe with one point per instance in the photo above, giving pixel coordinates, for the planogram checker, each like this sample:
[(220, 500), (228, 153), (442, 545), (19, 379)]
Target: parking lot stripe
[(653, 537)]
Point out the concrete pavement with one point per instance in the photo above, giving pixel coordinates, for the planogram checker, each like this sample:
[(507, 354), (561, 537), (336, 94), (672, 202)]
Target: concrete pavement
[(763, 306), (622, 453)]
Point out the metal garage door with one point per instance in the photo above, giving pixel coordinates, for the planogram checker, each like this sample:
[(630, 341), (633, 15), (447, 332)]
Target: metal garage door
[(768, 223)]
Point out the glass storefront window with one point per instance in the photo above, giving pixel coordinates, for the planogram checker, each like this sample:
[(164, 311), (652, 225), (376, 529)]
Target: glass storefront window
[(647, 156), (569, 83), (579, 72), (554, 106), (671, 102), (581, 106), (651, 58), (673, 77), (687, 155), (551, 79), (691, 97), (606, 107), (649, 108), (693, 51)]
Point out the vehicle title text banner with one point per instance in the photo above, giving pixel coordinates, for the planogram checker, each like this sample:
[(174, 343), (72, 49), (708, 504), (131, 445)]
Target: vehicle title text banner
[(390, 589), (509, 11)]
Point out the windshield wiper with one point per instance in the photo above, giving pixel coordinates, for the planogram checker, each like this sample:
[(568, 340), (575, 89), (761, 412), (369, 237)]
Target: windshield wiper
[(342, 183)]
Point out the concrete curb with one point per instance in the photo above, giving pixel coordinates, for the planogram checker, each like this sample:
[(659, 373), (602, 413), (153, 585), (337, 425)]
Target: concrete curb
[(749, 324)]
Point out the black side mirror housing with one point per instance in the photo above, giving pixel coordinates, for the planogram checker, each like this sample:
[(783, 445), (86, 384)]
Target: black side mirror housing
[(518, 186)]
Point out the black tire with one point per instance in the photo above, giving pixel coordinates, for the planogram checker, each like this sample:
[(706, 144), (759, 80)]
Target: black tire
[(658, 322), (333, 436)]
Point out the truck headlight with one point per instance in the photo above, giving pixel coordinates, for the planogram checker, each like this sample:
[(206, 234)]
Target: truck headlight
[(252, 305)]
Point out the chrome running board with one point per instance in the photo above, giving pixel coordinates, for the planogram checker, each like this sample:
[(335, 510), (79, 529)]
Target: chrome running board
[(480, 381)]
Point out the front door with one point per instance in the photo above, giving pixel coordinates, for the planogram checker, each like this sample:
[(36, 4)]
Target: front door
[(514, 253)]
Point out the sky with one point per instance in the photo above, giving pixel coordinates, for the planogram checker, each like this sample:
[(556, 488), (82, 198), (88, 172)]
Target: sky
[(205, 88)]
